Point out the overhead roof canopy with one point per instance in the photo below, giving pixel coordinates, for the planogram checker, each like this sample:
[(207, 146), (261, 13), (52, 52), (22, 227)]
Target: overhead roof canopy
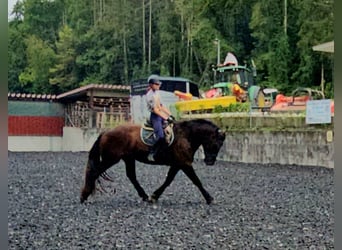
[(95, 90), (325, 47)]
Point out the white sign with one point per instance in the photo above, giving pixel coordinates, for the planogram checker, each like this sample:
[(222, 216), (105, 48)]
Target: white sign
[(318, 111)]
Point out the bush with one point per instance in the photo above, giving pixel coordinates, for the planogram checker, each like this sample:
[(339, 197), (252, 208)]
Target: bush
[(234, 107)]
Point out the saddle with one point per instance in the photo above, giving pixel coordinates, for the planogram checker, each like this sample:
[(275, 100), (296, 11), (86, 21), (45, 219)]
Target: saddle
[(148, 137)]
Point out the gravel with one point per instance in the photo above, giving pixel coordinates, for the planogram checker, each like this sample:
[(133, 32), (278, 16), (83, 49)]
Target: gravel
[(255, 207)]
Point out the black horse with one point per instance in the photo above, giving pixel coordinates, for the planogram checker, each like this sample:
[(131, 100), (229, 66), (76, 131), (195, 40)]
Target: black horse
[(124, 142)]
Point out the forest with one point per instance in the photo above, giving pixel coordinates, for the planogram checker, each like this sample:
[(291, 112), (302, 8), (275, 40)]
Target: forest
[(59, 45)]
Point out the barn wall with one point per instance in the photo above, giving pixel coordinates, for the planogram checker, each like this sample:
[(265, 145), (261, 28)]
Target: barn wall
[(27, 118), (78, 139), (35, 126), (35, 108), (34, 143)]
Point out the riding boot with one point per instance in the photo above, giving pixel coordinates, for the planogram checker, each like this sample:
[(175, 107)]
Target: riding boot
[(159, 146)]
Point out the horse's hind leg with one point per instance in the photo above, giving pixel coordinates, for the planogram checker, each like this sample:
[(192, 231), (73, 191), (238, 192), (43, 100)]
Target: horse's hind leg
[(169, 178), (190, 172), (130, 172)]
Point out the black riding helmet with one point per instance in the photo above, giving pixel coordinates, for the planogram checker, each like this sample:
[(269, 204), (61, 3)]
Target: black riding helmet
[(153, 80)]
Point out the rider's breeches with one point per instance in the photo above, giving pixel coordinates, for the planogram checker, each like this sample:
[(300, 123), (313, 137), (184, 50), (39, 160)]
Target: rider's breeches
[(157, 122)]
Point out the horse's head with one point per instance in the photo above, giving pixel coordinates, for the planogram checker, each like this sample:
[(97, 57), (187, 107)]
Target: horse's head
[(202, 132), (212, 145)]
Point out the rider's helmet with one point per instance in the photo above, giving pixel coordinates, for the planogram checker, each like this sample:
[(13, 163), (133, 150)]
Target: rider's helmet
[(153, 79)]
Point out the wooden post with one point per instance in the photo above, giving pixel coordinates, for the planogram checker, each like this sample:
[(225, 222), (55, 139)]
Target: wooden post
[(91, 108), (322, 78)]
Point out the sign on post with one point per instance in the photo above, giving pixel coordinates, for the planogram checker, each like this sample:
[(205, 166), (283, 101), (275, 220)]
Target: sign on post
[(318, 111)]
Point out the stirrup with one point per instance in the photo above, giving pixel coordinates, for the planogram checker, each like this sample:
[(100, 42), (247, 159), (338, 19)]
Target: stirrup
[(150, 157)]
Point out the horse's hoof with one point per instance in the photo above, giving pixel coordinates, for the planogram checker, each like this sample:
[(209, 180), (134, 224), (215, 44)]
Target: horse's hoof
[(152, 200), (83, 198), (210, 200)]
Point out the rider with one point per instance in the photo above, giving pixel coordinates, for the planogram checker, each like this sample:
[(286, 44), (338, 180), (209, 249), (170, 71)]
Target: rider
[(159, 114)]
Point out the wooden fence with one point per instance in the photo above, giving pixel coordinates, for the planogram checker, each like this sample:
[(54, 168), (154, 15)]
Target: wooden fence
[(80, 115)]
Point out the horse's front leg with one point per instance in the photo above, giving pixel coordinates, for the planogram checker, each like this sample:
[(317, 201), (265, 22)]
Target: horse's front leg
[(169, 178), (130, 172), (190, 172)]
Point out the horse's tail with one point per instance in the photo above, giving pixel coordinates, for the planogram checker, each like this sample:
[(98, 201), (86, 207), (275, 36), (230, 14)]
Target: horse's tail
[(94, 153), (91, 171)]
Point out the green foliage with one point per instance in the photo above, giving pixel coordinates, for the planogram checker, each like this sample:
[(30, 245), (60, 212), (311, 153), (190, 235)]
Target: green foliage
[(100, 59), (16, 55), (98, 41), (43, 18), (40, 57), (315, 21), (63, 72), (272, 53), (329, 90), (234, 107)]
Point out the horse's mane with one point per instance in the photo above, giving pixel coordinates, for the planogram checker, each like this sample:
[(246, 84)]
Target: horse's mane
[(199, 121), (198, 125)]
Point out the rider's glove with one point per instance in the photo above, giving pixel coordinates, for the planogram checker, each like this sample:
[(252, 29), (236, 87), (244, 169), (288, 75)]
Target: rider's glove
[(170, 119)]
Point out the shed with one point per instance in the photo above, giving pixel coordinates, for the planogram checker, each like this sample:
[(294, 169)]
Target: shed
[(327, 47), (96, 105)]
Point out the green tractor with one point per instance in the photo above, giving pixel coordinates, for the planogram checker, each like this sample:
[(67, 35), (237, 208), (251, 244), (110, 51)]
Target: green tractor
[(236, 80)]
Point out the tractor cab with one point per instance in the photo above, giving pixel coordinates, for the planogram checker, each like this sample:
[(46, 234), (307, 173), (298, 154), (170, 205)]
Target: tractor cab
[(235, 74), (228, 76), (236, 80)]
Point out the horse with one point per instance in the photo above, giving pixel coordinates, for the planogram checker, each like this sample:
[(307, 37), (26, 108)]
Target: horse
[(124, 143)]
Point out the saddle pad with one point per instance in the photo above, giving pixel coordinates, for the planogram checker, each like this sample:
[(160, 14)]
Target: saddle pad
[(148, 138)]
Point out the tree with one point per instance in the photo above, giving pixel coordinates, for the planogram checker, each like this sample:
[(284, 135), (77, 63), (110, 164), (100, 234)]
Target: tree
[(117, 41), (79, 16), (63, 74), (316, 26), (43, 18), (168, 25), (272, 51), (40, 57), (16, 54)]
